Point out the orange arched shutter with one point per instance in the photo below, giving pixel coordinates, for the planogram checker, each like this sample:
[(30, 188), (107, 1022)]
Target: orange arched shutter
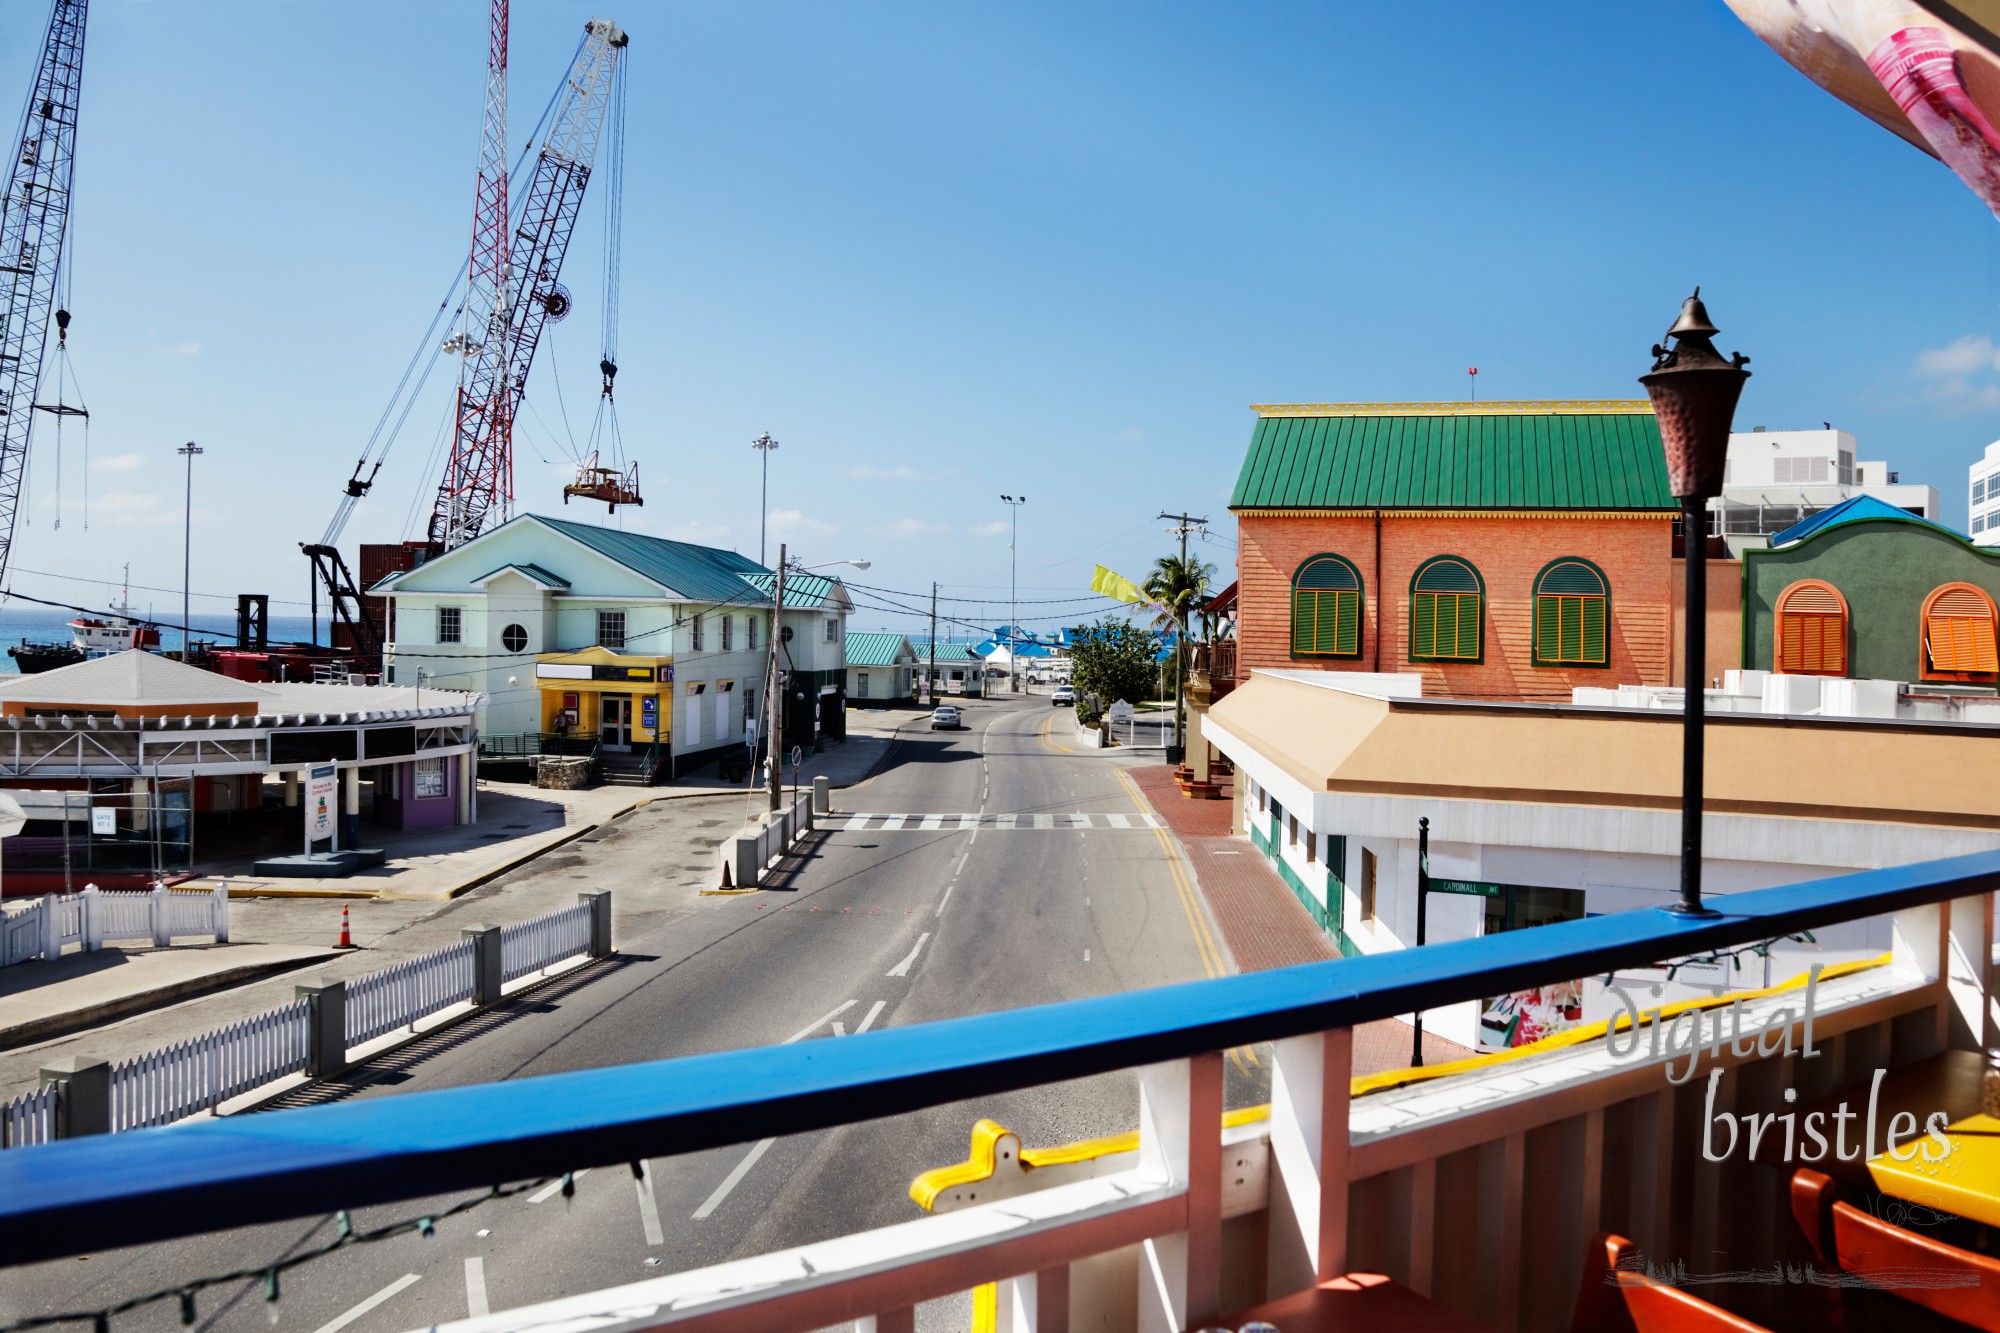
[(1812, 631), (1958, 631)]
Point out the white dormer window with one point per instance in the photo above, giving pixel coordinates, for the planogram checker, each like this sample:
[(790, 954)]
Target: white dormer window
[(833, 629)]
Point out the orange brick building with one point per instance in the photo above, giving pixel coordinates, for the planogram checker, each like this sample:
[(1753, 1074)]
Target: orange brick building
[(1503, 550)]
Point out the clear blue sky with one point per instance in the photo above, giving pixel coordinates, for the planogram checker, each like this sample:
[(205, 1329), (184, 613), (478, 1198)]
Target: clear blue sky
[(942, 251)]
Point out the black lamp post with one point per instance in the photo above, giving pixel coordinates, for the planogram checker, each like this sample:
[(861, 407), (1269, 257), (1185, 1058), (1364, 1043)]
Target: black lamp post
[(1694, 392)]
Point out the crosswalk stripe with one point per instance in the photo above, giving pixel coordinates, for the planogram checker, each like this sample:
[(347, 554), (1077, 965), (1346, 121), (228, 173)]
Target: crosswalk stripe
[(857, 824), (967, 822), (931, 823), (1007, 821), (1045, 821), (1079, 820), (893, 822), (1119, 821)]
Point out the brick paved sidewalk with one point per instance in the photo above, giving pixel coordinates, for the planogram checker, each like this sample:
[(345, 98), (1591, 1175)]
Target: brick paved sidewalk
[(1261, 921)]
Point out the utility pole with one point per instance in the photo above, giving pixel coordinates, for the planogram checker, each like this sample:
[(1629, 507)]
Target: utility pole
[(764, 444), (189, 452), (774, 696), (930, 676), (1014, 504), (1183, 525)]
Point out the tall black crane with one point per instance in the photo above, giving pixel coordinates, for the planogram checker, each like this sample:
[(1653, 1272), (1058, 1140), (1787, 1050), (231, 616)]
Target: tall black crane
[(34, 221)]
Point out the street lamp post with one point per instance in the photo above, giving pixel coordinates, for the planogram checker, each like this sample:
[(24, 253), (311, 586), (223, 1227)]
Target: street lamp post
[(1694, 392), (189, 451), (1013, 504), (763, 444)]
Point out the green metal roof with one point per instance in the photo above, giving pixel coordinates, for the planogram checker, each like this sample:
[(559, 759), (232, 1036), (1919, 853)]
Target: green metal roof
[(701, 573), (807, 590), (871, 649), (946, 652), (533, 573), (1598, 455)]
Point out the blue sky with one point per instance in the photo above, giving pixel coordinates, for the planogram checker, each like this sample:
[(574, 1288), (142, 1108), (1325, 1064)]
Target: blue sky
[(943, 251)]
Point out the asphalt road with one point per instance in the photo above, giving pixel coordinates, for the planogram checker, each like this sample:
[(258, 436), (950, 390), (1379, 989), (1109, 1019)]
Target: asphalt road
[(882, 922)]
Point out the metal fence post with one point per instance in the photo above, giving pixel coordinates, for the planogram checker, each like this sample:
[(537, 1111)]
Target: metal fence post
[(822, 795), (93, 929), (599, 903), (487, 968), (51, 929), (157, 908), (83, 1095), (221, 910), (326, 1026)]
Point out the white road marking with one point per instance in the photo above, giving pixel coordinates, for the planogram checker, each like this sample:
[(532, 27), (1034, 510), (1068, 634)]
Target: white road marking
[(857, 824), (1079, 820), (475, 1288), (893, 822), (734, 1178), (869, 1021), (931, 823), (947, 898), (649, 1207), (1086, 955), (967, 822), (554, 1187), (902, 969), (803, 1033), (1152, 821), (1045, 821), (392, 1289), (959, 869), (839, 1028), (1119, 821), (1007, 821)]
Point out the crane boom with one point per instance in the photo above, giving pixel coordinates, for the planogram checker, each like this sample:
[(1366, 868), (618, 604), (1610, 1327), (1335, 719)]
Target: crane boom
[(33, 226), (479, 477)]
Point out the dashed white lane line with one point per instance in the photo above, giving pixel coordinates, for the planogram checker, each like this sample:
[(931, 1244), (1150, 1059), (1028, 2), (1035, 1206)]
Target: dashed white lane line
[(475, 1288), (386, 1293), (869, 1021), (734, 1178), (947, 898), (959, 869), (902, 969), (649, 1206), (548, 1191), (803, 1033), (1086, 955)]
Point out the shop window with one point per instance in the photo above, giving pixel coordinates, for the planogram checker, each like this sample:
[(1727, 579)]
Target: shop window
[(728, 632), (514, 638), (611, 629), (1572, 615), (1367, 885), (430, 779), (450, 624), (1958, 629), (1445, 604), (1326, 608), (1811, 623)]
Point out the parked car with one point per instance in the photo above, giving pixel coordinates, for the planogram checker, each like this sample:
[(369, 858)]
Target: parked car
[(945, 718), (1063, 695)]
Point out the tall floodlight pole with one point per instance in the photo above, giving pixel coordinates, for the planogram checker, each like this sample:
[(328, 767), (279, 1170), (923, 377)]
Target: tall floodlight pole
[(189, 451), (764, 444), (1014, 503), (1694, 392)]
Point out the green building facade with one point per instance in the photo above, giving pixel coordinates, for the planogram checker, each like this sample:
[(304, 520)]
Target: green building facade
[(1884, 568)]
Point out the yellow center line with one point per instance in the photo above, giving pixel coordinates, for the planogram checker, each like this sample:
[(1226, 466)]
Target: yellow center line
[(1042, 734)]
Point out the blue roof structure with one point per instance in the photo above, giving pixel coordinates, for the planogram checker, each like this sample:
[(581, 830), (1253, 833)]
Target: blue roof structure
[(1857, 510)]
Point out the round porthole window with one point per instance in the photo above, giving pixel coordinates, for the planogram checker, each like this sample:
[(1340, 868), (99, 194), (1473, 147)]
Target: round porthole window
[(514, 638)]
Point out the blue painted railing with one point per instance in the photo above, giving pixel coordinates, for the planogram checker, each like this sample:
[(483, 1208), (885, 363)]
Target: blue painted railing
[(123, 1189)]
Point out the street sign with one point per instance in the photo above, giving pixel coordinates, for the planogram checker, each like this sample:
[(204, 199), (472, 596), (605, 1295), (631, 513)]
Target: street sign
[(104, 822), (1471, 888), (649, 712)]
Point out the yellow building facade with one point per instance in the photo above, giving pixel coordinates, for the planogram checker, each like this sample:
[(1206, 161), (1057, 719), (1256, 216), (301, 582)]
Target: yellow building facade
[(623, 699)]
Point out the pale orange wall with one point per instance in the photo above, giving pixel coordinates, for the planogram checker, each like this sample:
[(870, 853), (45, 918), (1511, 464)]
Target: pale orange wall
[(1634, 553), (1725, 618)]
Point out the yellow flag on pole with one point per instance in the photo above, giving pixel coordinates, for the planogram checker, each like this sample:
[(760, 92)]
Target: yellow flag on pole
[(1112, 584)]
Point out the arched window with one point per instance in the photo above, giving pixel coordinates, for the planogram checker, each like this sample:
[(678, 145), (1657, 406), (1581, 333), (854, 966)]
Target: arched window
[(1326, 608), (1445, 598), (1958, 633), (1572, 614), (1812, 630)]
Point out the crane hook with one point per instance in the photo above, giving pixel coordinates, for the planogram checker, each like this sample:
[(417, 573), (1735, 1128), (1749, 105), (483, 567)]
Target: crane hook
[(610, 369), (62, 328)]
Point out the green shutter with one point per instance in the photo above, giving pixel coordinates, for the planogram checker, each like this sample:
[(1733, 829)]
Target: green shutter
[(1347, 623), (1548, 616), (1423, 624), (1303, 604), (1572, 629), (1593, 630), (1468, 624)]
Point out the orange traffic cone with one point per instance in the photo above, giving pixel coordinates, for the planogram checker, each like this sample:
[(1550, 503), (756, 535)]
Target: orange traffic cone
[(346, 940)]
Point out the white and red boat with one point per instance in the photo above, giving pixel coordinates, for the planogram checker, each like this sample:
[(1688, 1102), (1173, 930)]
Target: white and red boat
[(90, 636)]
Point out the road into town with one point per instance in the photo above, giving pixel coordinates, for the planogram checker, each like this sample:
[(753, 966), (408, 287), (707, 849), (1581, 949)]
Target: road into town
[(985, 869)]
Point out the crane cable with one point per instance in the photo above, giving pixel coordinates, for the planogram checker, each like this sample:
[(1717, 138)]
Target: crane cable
[(604, 432), (65, 375)]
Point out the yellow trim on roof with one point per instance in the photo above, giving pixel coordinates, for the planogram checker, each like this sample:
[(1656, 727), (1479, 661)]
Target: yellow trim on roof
[(1578, 407), (1268, 511)]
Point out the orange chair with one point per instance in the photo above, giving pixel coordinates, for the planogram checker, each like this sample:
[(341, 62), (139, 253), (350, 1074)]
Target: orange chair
[(1942, 1278), (1618, 1297)]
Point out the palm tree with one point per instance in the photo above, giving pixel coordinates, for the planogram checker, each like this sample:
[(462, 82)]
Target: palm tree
[(1180, 584)]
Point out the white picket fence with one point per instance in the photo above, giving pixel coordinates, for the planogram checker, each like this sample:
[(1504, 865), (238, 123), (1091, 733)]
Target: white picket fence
[(30, 1118), (533, 945), (397, 996), (200, 1074), (94, 918)]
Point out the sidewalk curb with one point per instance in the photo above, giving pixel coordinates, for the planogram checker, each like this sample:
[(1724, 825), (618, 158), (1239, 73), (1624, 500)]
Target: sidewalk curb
[(77, 1020)]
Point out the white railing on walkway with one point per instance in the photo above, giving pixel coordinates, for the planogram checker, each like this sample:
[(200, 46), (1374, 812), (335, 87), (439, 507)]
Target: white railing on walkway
[(533, 945), (398, 996), (44, 927), (203, 1072), (30, 1118)]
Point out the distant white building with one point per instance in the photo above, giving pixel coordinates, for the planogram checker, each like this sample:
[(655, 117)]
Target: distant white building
[(1984, 479), (1776, 478)]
